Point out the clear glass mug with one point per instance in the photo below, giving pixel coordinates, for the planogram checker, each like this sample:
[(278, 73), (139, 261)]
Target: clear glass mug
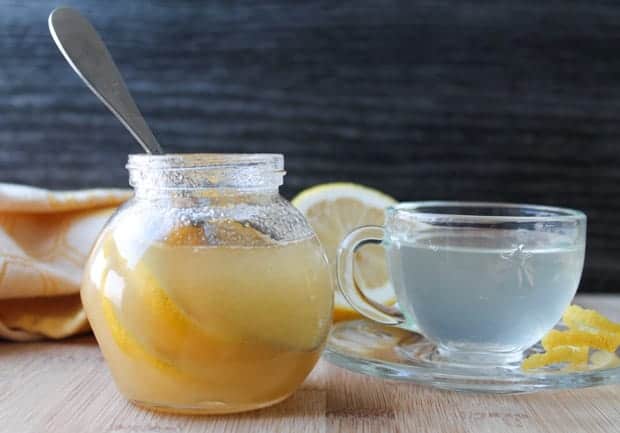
[(482, 281), (208, 292)]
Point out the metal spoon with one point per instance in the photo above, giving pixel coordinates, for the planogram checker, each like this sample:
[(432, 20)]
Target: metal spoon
[(83, 48)]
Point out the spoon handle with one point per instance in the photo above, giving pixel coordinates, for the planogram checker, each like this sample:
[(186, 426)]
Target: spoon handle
[(84, 50)]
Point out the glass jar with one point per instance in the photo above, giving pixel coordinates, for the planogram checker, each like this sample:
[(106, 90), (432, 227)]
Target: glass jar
[(207, 291)]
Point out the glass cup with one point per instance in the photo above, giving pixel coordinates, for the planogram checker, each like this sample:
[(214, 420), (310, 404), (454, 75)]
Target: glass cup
[(207, 291), (482, 281)]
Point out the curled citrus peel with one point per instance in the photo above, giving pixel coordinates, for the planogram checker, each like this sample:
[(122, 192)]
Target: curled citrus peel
[(587, 329), (580, 318), (561, 354), (601, 340)]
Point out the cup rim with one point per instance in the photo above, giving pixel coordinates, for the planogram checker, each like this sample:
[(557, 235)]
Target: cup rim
[(547, 213)]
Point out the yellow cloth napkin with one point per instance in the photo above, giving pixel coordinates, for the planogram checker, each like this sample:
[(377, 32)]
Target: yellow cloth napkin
[(45, 237)]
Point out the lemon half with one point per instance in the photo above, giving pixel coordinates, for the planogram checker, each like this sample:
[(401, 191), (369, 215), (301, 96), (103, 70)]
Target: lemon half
[(333, 210)]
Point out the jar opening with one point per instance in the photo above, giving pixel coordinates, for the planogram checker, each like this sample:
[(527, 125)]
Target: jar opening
[(186, 172)]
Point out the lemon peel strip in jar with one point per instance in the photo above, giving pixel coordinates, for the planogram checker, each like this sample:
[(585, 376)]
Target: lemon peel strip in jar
[(129, 345)]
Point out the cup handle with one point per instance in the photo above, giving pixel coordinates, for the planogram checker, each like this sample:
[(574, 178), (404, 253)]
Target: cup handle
[(345, 262)]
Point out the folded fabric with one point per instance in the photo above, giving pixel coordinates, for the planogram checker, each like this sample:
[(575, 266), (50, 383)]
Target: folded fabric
[(45, 237)]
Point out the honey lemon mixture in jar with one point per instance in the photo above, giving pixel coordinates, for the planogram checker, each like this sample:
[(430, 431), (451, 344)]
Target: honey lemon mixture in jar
[(208, 292)]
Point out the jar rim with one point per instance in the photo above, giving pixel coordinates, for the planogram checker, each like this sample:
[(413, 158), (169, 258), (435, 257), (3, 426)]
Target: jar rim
[(187, 172), (195, 161)]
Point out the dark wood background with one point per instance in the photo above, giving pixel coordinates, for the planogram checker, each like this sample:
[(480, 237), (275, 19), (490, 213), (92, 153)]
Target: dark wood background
[(435, 99)]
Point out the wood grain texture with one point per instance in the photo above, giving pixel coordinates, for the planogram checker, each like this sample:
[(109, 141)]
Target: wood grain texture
[(443, 99), (66, 387)]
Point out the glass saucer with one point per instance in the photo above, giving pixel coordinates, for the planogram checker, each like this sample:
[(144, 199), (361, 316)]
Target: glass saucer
[(365, 347)]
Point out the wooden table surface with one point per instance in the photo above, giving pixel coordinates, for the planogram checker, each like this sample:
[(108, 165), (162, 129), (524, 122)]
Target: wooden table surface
[(66, 387)]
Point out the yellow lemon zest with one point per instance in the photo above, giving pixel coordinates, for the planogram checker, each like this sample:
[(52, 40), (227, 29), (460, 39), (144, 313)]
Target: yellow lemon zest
[(600, 340), (569, 354), (587, 329), (578, 317)]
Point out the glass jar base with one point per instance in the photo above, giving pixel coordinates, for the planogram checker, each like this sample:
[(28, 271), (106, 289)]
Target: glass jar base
[(208, 408)]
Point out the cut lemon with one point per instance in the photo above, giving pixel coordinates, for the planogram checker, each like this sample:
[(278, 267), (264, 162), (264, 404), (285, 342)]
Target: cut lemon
[(151, 316), (278, 295), (216, 354), (333, 210), (129, 345), (160, 324)]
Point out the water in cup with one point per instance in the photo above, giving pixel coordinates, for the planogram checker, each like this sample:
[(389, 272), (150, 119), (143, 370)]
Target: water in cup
[(485, 291)]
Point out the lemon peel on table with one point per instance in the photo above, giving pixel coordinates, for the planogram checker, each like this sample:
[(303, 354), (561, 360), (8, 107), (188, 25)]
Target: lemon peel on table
[(586, 329), (333, 210)]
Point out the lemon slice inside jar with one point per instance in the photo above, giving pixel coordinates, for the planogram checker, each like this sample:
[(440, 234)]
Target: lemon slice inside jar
[(150, 327), (274, 293), (148, 313)]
